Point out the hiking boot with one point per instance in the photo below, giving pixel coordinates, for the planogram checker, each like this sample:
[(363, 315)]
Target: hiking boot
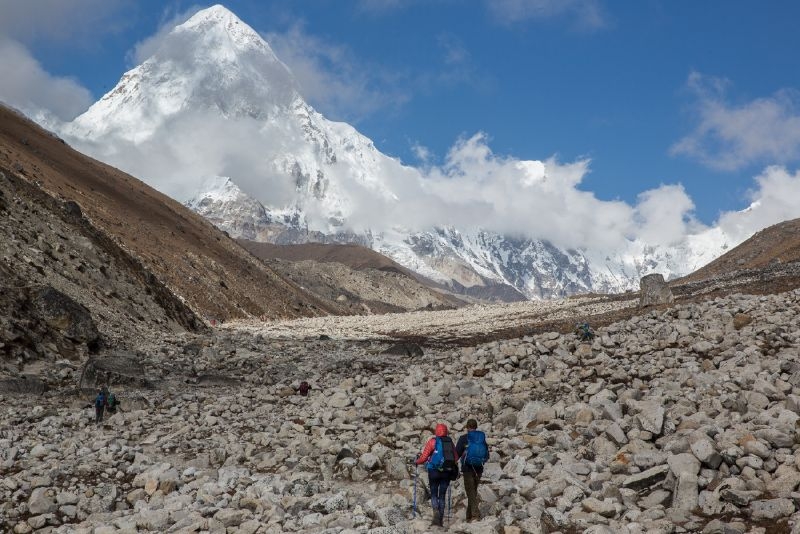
[(437, 520)]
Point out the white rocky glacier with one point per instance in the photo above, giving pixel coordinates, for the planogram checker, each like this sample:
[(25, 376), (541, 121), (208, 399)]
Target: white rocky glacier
[(216, 120)]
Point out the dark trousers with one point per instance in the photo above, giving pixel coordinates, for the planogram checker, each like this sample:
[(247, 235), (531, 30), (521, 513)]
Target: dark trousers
[(98, 414), (438, 482), (472, 479)]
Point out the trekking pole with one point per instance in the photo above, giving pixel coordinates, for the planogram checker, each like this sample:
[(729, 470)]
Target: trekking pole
[(414, 509), (449, 504)]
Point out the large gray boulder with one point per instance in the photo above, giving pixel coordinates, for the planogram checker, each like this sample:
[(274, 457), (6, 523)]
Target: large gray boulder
[(42, 501), (119, 367), (64, 314), (654, 290)]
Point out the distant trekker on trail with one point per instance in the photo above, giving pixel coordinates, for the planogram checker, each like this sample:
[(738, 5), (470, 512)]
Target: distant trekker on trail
[(441, 459), (474, 452), (112, 402), (584, 332), (304, 388), (100, 402)]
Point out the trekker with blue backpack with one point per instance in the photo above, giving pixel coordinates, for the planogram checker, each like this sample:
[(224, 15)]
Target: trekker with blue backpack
[(474, 452), (441, 459), (100, 403)]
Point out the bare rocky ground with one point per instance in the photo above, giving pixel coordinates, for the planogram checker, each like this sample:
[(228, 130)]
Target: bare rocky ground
[(678, 418), (681, 419), (441, 327), (473, 324)]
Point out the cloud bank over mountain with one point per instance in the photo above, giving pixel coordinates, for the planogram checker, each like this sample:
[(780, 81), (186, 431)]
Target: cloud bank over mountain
[(474, 187)]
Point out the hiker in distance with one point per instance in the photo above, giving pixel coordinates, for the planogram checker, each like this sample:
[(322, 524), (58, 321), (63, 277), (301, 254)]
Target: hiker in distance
[(441, 459), (100, 403), (112, 402), (474, 452), (303, 388)]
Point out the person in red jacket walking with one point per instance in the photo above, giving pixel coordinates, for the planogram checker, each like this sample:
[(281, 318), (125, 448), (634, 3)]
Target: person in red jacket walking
[(440, 457)]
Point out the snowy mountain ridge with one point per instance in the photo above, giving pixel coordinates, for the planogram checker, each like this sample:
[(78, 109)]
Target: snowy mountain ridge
[(215, 119)]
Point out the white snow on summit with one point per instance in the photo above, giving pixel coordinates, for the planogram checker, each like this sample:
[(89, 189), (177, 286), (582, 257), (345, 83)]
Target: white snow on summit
[(213, 60)]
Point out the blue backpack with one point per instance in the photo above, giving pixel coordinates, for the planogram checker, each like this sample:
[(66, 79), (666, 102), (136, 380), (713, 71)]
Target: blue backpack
[(477, 451), (444, 456)]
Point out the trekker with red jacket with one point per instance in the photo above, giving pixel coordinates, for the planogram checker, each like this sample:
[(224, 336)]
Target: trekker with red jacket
[(441, 459)]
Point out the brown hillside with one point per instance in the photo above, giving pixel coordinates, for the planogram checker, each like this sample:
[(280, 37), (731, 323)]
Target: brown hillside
[(67, 289), (778, 244), (354, 256), (200, 264), (359, 278)]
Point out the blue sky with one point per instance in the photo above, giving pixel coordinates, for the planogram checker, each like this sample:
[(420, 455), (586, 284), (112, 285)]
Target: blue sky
[(704, 94)]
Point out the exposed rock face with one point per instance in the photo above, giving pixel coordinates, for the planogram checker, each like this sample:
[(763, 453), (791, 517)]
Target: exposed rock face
[(22, 384), (115, 368), (673, 421), (654, 290), (64, 314), (66, 288)]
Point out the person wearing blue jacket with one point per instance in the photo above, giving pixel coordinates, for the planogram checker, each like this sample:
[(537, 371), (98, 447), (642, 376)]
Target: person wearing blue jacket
[(474, 452), (100, 403)]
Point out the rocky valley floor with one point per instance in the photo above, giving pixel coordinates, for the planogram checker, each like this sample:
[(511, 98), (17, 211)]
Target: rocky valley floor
[(681, 419)]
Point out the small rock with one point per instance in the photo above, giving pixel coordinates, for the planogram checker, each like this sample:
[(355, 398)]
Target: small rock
[(605, 508), (771, 509)]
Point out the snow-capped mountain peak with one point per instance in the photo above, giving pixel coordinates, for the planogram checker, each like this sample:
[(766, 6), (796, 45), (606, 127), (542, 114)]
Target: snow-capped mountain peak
[(212, 62), (217, 189), (214, 100), (225, 35)]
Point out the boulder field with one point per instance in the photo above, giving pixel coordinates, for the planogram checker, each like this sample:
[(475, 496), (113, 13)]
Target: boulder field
[(682, 419)]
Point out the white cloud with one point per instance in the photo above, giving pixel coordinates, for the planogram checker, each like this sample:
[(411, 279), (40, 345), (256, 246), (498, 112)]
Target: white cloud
[(455, 52), (169, 19), (477, 188), (542, 199), (775, 198), (59, 20), (27, 87), (333, 79), (732, 136), (664, 215), (422, 153), (194, 145), (588, 14)]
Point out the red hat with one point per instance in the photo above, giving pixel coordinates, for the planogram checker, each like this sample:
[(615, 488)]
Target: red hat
[(441, 430)]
